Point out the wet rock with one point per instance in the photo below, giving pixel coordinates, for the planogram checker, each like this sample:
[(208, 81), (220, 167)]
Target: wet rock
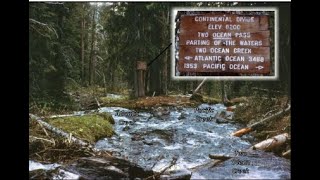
[(148, 142), (137, 137), (179, 108), (221, 120), (41, 174), (126, 128), (177, 174), (219, 156), (249, 165), (161, 111), (182, 116), (163, 134), (107, 168)]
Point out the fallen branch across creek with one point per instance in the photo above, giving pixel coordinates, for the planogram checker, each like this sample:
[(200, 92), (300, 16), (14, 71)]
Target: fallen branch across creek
[(255, 125)]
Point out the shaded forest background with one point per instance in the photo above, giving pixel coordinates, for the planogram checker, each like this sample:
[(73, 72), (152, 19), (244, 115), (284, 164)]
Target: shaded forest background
[(95, 46)]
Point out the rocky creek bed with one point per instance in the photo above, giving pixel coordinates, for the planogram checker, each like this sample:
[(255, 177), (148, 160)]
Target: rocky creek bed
[(173, 143)]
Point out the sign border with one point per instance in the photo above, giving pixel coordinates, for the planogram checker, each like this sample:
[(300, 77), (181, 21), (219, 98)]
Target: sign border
[(276, 42)]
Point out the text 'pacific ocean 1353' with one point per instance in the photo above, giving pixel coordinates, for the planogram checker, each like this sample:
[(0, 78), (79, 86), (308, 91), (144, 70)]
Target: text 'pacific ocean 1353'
[(224, 42)]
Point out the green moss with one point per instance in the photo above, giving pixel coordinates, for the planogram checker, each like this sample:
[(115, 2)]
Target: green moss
[(197, 97), (211, 100), (107, 116), (88, 127), (107, 100)]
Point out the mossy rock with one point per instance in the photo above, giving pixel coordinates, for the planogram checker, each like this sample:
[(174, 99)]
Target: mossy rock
[(197, 97), (107, 116), (88, 127)]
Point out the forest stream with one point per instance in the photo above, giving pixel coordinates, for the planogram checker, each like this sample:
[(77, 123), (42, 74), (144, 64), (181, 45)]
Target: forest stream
[(159, 90), (180, 141)]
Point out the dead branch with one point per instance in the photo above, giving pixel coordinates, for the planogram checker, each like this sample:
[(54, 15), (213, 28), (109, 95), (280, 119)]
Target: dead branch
[(199, 86), (97, 102), (241, 132), (271, 117), (266, 90), (287, 153), (45, 131), (59, 131), (51, 29), (173, 162), (255, 125), (37, 22), (219, 157), (43, 139), (60, 116)]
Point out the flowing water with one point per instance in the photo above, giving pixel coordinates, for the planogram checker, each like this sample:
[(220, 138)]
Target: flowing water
[(187, 136), (179, 140)]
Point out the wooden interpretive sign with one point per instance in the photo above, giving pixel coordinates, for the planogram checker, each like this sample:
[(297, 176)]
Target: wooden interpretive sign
[(141, 65), (224, 43)]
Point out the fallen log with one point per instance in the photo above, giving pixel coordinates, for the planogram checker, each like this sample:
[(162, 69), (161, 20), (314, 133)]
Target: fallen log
[(61, 116), (265, 145), (219, 157), (271, 117), (255, 125), (242, 132), (58, 131), (271, 143), (266, 90), (157, 175)]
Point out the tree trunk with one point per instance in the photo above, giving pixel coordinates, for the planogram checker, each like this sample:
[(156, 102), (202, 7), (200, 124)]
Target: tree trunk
[(104, 84), (165, 75), (82, 46), (92, 53), (155, 81), (135, 82), (165, 59)]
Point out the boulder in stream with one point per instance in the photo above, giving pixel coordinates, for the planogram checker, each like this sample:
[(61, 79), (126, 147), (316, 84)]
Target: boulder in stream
[(107, 168)]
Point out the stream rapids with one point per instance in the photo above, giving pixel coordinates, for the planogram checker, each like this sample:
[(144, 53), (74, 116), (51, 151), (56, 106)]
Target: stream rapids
[(177, 142)]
